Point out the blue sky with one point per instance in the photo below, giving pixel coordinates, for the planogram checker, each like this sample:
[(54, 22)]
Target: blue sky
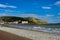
[(48, 10)]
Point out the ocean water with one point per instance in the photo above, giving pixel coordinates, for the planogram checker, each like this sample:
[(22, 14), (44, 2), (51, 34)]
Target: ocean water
[(51, 28)]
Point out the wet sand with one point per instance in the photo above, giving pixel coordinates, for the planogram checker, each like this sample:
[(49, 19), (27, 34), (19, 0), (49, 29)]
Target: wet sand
[(8, 36), (32, 34)]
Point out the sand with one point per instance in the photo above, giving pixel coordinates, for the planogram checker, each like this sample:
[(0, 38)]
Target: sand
[(8, 36), (34, 35)]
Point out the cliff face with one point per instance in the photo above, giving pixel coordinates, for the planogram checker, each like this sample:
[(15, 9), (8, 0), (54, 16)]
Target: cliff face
[(29, 19)]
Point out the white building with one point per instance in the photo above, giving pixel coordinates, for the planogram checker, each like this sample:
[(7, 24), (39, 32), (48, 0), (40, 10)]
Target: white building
[(15, 22), (24, 22), (1, 22)]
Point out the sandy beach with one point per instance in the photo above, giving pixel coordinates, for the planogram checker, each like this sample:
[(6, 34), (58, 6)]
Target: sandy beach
[(34, 35), (8, 36)]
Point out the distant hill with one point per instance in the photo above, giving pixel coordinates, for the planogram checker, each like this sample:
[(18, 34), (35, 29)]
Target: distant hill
[(35, 21), (31, 20)]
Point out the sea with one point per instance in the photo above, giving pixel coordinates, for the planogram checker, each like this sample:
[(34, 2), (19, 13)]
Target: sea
[(50, 28)]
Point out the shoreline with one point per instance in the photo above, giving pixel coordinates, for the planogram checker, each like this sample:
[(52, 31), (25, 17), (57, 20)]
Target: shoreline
[(6, 25), (35, 35)]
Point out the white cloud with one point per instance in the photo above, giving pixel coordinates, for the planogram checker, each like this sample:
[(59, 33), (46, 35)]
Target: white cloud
[(46, 7), (58, 13), (42, 17), (46, 16), (57, 3), (7, 6), (3, 14), (12, 6), (32, 15), (58, 17), (49, 15), (8, 11), (29, 15)]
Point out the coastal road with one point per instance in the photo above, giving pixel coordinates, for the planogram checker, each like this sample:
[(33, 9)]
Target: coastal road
[(34, 35)]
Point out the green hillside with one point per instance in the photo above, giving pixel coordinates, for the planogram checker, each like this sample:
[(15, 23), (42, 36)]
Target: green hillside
[(29, 19)]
